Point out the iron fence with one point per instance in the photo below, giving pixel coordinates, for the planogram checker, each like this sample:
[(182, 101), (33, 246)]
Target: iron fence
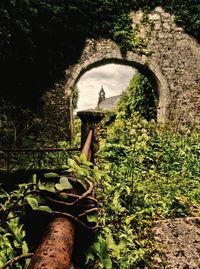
[(26, 158)]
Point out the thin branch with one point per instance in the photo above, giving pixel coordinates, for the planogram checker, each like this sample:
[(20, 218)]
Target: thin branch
[(4, 214), (16, 259), (76, 195), (59, 202), (79, 197), (95, 209), (63, 214), (89, 191), (85, 194)]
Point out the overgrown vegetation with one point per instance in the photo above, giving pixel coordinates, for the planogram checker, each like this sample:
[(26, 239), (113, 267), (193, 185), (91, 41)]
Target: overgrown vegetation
[(151, 172), (75, 97), (19, 127), (39, 39), (44, 196), (140, 97), (154, 174), (22, 129)]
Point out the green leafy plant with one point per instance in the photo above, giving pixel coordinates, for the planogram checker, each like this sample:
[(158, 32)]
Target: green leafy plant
[(46, 196), (154, 174), (139, 97), (12, 233), (150, 172), (36, 26)]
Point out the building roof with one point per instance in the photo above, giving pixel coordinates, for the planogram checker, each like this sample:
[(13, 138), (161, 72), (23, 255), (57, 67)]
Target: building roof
[(109, 103)]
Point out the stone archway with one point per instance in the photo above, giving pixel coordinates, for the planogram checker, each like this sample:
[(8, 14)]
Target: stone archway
[(105, 51), (170, 60)]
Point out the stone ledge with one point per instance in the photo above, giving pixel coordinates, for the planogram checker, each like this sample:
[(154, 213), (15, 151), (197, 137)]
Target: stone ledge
[(180, 241)]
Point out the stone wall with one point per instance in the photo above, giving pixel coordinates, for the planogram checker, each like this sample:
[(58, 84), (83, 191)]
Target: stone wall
[(170, 60), (56, 113), (177, 55)]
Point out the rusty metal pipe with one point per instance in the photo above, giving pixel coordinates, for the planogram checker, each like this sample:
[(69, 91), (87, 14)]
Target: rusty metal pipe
[(87, 146), (55, 249)]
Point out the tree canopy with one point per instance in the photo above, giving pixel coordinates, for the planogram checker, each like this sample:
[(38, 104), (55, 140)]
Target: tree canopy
[(41, 38)]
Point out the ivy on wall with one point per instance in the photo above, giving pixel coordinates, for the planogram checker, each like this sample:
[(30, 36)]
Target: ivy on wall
[(40, 39), (140, 97), (75, 97)]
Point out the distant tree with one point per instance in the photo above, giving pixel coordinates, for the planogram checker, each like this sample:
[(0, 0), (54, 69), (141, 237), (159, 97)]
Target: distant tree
[(39, 39), (141, 97)]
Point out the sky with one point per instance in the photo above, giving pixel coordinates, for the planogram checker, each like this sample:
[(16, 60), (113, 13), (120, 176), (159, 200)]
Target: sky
[(113, 77)]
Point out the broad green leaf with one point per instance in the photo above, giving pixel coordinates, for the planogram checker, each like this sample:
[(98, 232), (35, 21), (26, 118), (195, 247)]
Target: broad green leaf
[(82, 171), (51, 175), (44, 208), (97, 173), (103, 254), (92, 217), (32, 202), (82, 182), (107, 262), (64, 166), (16, 244), (64, 184), (70, 170), (71, 162), (49, 186), (97, 246), (87, 163), (83, 160)]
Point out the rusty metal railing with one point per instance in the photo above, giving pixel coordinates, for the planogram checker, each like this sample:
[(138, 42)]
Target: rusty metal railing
[(41, 151), (56, 247)]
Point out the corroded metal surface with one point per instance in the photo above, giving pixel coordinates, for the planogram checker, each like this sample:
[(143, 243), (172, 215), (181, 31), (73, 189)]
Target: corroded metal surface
[(55, 249), (90, 121), (86, 148)]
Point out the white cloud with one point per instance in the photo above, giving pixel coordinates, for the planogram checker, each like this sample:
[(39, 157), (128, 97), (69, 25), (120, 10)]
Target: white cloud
[(113, 77)]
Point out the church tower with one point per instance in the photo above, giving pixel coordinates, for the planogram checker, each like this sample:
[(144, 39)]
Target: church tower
[(102, 95)]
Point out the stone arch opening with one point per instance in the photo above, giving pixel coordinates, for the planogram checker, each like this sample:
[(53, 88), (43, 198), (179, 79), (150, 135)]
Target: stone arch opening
[(113, 79), (148, 69), (170, 59)]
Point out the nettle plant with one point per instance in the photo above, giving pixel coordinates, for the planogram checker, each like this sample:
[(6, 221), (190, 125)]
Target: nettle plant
[(154, 174), (150, 173), (73, 187)]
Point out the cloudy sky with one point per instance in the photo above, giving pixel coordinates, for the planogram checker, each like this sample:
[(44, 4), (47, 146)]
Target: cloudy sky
[(113, 77)]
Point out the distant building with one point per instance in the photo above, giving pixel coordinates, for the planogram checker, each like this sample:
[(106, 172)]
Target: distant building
[(102, 95), (107, 103)]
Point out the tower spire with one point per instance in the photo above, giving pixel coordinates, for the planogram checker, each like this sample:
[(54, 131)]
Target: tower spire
[(102, 95)]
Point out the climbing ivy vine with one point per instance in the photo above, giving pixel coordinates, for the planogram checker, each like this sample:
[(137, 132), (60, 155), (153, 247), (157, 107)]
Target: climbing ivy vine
[(46, 196), (39, 39), (150, 173), (140, 97)]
